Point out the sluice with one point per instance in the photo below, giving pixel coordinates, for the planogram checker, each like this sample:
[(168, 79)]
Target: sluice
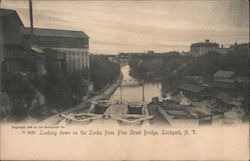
[(124, 113)]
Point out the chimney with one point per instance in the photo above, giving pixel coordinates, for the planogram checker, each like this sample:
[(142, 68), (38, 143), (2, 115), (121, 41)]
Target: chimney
[(222, 46), (31, 17)]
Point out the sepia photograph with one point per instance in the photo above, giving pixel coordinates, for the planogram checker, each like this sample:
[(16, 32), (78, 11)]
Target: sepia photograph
[(172, 63), (125, 64)]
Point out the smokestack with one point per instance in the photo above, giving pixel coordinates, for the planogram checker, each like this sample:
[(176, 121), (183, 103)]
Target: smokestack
[(31, 18)]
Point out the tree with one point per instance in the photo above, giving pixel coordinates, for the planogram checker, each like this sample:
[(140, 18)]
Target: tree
[(102, 71), (21, 92), (78, 84)]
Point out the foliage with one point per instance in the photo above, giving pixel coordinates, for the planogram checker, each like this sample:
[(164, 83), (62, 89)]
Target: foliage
[(102, 71), (56, 90), (21, 93), (78, 85), (61, 89), (208, 64), (174, 66), (146, 66)]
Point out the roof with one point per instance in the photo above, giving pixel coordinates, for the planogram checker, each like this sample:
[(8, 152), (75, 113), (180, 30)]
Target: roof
[(224, 80), (6, 12), (225, 98), (37, 49), (179, 96), (191, 87), (204, 44), (193, 77), (224, 74), (243, 79), (54, 32)]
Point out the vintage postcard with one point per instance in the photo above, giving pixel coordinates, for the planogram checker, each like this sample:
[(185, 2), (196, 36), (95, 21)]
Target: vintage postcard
[(124, 80)]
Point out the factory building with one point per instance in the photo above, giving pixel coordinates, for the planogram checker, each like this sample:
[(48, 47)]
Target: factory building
[(11, 50), (75, 45), (202, 48)]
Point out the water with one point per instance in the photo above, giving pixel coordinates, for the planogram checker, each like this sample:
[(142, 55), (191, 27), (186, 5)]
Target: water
[(131, 89)]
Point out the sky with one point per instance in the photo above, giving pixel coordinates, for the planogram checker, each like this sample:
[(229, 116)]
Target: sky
[(142, 25)]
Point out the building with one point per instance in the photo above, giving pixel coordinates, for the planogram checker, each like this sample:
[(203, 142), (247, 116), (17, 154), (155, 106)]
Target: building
[(58, 58), (75, 45), (224, 76), (243, 81), (149, 53), (202, 48), (224, 99), (39, 57), (11, 50), (113, 58), (194, 79), (181, 99), (194, 91), (225, 79), (236, 46)]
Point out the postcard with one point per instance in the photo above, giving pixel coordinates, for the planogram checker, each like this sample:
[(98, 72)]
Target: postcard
[(124, 80)]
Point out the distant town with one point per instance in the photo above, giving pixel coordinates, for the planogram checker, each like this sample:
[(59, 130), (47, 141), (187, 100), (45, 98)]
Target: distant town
[(45, 72)]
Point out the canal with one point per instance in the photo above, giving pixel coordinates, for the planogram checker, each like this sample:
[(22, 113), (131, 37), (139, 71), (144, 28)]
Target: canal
[(131, 90)]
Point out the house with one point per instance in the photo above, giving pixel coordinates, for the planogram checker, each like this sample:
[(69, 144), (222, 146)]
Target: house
[(224, 76), (243, 81), (224, 79), (194, 91), (75, 45), (181, 99), (194, 79), (226, 100)]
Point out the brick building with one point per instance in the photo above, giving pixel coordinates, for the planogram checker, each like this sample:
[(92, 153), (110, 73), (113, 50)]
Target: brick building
[(202, 48), (11, 50), (75, 45)]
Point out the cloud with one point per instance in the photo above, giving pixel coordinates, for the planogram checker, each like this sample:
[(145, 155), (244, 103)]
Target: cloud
[(121, 26)]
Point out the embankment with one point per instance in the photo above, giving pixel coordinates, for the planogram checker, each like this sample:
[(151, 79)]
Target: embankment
[(106, 94)]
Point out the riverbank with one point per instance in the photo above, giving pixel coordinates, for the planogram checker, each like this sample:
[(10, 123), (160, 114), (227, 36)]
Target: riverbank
[(105, 94)]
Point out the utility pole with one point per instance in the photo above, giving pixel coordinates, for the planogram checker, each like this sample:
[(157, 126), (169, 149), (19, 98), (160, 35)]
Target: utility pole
[(143, 96), (121, 93), (31, 19), (1, 56)]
